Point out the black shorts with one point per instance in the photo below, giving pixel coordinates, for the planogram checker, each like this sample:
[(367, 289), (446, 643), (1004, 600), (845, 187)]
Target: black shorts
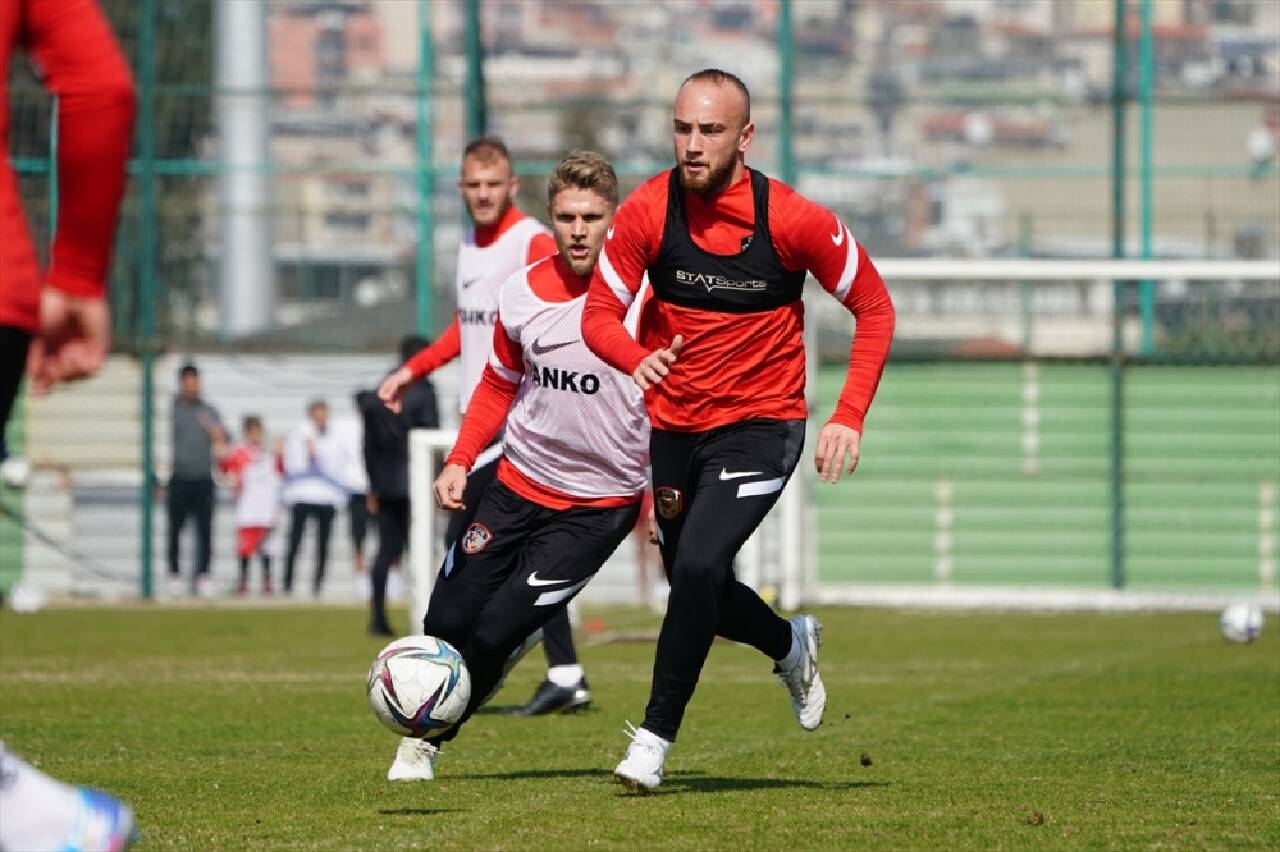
[(517, 563), (515, 566), (478, 481)]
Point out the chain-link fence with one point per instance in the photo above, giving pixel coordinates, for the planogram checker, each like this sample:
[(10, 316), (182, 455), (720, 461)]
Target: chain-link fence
[(949, 128)]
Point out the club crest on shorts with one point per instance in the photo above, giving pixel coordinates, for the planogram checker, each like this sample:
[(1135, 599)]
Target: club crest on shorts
[(476, 537), (668, 501)]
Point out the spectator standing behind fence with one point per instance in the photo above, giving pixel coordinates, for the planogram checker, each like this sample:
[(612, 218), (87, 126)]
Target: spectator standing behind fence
[(198, 439), (314, 459), (255, 477), (386, 460)]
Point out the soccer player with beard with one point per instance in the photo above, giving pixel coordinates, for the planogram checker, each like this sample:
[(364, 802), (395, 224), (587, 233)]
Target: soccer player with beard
[(572, 471), (721, 359), (58, 323), (503, 240)]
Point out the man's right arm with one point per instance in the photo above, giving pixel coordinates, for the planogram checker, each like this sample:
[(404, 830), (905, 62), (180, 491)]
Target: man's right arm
[(442, 350), (427, 360), (491, 402), (614, 286)]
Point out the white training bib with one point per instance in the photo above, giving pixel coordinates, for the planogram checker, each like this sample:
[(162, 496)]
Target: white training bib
[(577, 425), (481, 272)]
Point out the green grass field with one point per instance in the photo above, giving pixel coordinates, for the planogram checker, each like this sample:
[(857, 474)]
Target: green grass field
[(248, 728)]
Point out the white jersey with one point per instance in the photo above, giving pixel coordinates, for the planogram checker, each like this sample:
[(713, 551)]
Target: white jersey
[(481, 271), (577, 425), (257, 481)]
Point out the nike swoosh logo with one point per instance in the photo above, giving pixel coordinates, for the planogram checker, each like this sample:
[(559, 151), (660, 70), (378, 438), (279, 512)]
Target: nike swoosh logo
[(725, 475), (538, 349), (466, 284), (535, 582), (608, 235), (838, 236)]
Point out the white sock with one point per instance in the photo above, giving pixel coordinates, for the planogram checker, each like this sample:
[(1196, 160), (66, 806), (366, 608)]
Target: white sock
[(644, 734), (792, 658), (36, 812), (565, 677)]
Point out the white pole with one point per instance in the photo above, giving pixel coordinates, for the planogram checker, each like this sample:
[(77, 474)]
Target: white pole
[(1266, 534), (424, 535), (246, 281)]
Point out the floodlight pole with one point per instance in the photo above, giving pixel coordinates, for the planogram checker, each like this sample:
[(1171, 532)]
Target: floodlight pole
[(245, 269)]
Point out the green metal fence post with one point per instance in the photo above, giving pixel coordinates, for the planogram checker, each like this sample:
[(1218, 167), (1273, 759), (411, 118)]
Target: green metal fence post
[(477, 108), (424, 278), (146, 275), (786, 153), (53, 170), (1119, 84), (1146, 80)]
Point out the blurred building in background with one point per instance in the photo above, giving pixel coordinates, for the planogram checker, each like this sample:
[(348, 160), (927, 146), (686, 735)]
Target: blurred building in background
[(964, 129)]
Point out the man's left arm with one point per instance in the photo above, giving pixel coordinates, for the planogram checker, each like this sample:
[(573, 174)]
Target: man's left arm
[(814, 238)]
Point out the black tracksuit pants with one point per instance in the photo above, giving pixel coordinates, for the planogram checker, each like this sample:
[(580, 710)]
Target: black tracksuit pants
[(711, 490)]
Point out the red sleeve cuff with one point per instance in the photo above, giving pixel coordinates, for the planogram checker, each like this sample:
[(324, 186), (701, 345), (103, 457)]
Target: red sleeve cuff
[(75, 285), (847, 415), (445, 348)]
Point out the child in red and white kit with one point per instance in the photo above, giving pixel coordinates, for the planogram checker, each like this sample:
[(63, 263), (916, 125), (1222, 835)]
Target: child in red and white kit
[(256, 474)]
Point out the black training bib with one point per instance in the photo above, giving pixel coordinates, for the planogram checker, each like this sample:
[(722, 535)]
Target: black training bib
[(751, 281)]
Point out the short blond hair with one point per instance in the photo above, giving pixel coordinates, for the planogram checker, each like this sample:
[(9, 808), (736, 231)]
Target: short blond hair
[(584, 170)]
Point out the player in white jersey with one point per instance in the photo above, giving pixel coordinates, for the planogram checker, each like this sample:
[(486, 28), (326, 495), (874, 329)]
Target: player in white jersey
[(502, 241), (573, 465)]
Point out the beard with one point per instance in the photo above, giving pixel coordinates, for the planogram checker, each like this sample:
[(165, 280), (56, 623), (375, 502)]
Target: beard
[(490, 215), (715, 181)]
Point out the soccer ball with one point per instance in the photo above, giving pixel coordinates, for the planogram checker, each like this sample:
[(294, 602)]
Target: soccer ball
[(1241, 622), (419, 686)]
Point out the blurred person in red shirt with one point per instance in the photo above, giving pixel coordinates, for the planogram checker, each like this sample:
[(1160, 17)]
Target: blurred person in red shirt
[(58, 323)]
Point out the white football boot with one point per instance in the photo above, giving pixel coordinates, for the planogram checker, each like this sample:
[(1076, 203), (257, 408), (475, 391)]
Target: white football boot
[(415, 761), (641, 770), (808, 695)]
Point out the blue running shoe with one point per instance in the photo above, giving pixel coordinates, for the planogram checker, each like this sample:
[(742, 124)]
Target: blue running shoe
[(103, 824)]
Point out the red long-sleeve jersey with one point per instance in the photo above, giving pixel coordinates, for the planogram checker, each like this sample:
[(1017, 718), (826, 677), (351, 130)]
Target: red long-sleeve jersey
[(77, 57), (736, 366)]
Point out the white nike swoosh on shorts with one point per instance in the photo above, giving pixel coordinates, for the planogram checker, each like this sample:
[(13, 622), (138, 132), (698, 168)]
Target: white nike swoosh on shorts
[(535, 582), (725, 475), (551, 598)]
